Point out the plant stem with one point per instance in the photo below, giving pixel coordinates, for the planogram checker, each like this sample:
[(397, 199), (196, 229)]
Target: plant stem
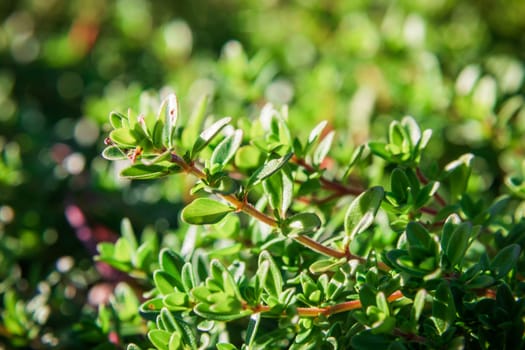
[(249, 209), (318, 247), (330, 310), (255, 213), (329, 184)]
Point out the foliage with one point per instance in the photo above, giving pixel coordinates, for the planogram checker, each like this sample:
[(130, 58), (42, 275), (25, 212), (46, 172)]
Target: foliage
[(407, 265), (292, 204)]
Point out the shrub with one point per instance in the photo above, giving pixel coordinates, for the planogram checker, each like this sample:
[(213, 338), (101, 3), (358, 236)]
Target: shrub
[(368, 250)]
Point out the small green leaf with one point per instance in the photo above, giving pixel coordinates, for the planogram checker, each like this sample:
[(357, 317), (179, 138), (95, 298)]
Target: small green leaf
[(151, 308), (175, 342), (123, 137), (159, 338), (165, 282), (147, 172), (382, 303), (113, 153), (226, 346), (268, 169), (117, 120), (133, 346), (418, 306), (458, 174), (380, 149), (458, 243), (279, 188), (171, 263), (188, 278), (413, 130), (226, 149), (354, 159), (123, 250), (168, 320), (205, 211), (326, 265), (251, 331), (126, 230), (316, 132), (301, 223), (205, 311), (169, 113), (361, 213), (443, 308), (208, 134), (273, 283), (323, 148), (505, 260)]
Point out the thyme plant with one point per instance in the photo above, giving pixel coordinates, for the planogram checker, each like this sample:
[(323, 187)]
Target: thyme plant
[(303, 243)]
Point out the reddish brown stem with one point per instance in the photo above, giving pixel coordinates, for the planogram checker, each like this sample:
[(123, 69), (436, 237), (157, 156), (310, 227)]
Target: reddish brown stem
[(330, 310), (329, 184)]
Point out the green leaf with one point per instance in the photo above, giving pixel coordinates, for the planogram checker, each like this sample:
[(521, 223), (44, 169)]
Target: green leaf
[(324, 147), (133, 346), (113, 153), (316, 132), (147, 172), (123, 250), (164, 282), (443, 308), (380, 149), (169, 113), (159, 338), (205, 211), (251, 330), (226, 346), (126, 230), (382, 303), (361, 213), (458, 243), (175, 342), (279, 189), (204, 311), (226, 149), (458, 174), (418, 305), (123, 138), (420, 243), (117, 120), (354, 159), (171, 263), (151, 308), (176, 301), (188, 278), (272, 280), (326, 265), (168, 320), (399, 185), (268, 169), (208, 134), (505, 260), (301, 223)]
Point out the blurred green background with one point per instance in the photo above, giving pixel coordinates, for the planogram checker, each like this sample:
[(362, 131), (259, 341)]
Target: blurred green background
[(456, 66)]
